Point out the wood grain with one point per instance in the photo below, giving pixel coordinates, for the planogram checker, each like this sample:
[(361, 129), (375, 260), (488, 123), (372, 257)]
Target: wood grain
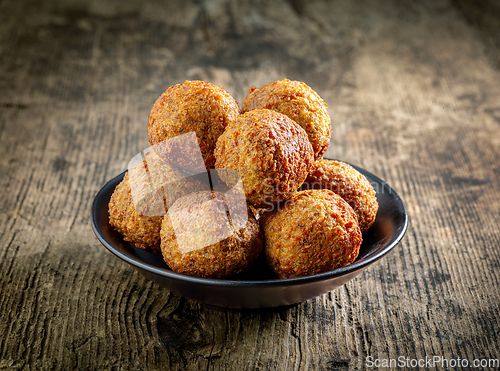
[(414, 95)]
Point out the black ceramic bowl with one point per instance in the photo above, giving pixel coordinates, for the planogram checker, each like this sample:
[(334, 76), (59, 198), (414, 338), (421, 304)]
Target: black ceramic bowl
[(259, 287)]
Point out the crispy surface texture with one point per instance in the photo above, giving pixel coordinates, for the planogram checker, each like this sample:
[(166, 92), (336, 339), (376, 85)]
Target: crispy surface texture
[(140, 201), (300, 103), (314, 231), (350, 184), (197, 106), (141, 231), (199, 239), (271, 153)]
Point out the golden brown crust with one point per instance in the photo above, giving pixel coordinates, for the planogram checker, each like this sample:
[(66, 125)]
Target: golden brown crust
[(350, 184), (300, 103), (314, 231), (140, 201), (195, 106), (271, 153), (141, 231), (198, 238)]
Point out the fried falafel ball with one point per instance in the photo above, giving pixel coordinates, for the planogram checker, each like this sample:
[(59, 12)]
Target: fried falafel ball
[(140, 201), (194, 106), (314, 231), (199, 239), (350, 184), (141, 231), (271, 153), (300, 103)]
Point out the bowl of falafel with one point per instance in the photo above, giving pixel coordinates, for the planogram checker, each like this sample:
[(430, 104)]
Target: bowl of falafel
[(238, 208)]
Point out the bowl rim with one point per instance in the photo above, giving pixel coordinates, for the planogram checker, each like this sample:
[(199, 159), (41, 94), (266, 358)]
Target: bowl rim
[(277, 282)]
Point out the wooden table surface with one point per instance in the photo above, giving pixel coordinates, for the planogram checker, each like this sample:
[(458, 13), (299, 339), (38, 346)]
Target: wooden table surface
[(413, 90)]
